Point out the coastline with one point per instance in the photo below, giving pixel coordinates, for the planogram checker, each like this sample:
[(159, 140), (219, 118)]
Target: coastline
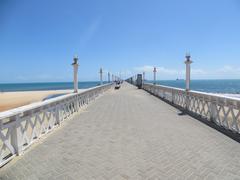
[(237, 96), (14, 99), (232, 95), (10, 100)]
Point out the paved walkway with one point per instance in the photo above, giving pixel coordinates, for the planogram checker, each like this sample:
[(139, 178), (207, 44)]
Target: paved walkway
[(129, 134)]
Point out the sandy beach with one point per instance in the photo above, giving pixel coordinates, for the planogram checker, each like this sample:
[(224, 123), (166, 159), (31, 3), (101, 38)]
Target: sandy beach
[(10, 100)]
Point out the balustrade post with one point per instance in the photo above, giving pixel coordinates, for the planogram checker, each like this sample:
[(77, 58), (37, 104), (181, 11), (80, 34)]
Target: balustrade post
[(187, 100), (16, 135), (173, 96), (213, 111), (57, 115), (87, 98), (76, 103)]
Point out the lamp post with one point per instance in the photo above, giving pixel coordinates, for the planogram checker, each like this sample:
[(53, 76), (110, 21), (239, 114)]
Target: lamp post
[(75, 73), (188, 63), (154, 75), (101, 76)]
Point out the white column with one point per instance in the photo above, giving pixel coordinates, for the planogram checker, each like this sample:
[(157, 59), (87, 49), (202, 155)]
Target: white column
[(108, 77), (75, 73), (101, 76), (154, 75), (188, 63), (112, 77), (16, 136)]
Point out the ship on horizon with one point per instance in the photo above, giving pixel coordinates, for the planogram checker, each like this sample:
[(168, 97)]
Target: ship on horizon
[(179, 79)]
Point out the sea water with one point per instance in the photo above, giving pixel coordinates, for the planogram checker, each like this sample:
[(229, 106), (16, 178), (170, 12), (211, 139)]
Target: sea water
[(211, 86), (45, 86)]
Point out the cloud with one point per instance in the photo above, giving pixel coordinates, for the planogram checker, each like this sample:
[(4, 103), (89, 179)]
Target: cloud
[(145, 68), (227, 69), (198, 72), (168, 71), (163, 70)]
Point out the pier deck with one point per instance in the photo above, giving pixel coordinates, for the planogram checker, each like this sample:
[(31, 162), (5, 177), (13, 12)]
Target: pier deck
[(129, 134)]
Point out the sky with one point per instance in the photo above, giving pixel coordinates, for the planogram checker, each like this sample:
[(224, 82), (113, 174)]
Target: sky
[(39, 38)]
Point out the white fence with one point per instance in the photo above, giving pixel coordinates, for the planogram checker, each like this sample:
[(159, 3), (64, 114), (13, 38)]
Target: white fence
[(21, 127), (222, 110)]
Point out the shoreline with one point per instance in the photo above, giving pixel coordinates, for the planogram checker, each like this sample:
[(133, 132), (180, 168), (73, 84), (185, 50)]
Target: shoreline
[(11, 100), (44, 86), (232, 95)]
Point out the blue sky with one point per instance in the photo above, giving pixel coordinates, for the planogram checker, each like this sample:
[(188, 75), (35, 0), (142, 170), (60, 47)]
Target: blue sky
[(38, 38)]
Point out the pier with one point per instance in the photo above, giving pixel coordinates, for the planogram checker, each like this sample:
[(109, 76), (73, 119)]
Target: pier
[(141, 131), (123, 134), (119, 90)]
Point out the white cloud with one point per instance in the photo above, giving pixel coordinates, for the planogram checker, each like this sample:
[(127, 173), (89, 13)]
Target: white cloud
[(227, 69), (198, 72), (145, 68), (162, 70), (166, 71)]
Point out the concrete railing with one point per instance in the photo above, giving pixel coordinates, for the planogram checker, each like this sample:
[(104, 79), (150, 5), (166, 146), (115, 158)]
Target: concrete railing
[(223, 111), (21, 127)]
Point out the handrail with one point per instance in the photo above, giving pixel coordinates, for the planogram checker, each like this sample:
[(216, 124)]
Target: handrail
[(20, 127), (205, 94), (220, 109), (18, 110)]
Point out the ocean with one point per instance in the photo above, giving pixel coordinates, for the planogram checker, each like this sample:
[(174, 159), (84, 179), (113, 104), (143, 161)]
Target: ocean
[(211, 86), (45, 86)]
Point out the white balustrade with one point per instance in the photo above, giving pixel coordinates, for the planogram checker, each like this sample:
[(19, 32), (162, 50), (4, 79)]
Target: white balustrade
[(222, 110), (21, 127)]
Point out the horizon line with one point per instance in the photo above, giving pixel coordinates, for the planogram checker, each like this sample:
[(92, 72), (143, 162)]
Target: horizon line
[(32, 82)]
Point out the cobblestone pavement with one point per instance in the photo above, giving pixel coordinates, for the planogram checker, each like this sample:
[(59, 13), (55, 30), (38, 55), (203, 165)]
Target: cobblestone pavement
[(129, 134)]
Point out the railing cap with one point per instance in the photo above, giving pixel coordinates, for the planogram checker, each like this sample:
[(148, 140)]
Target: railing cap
[(211, 95), (32, 106)]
